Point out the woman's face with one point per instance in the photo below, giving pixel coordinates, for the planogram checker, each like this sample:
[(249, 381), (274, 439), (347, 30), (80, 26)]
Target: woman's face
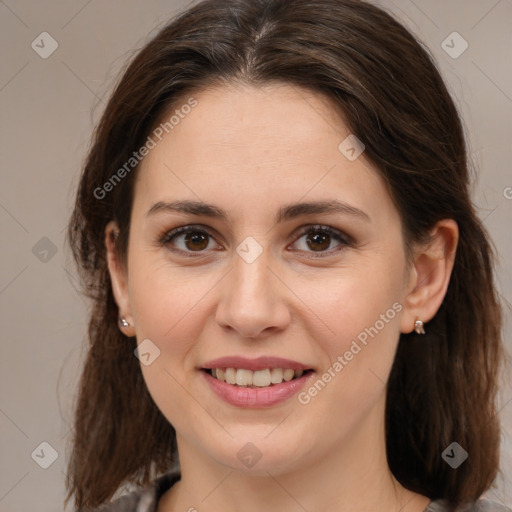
[(298, 256)]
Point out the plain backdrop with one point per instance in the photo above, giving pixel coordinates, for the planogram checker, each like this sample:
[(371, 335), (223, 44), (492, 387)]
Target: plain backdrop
[(48, 109)]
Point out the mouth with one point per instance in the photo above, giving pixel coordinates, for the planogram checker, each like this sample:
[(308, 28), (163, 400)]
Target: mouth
[(264, 378), (263, 382)]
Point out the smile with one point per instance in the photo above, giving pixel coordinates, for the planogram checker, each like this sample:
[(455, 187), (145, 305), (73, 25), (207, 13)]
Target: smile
[(255, 379), (255, 383)]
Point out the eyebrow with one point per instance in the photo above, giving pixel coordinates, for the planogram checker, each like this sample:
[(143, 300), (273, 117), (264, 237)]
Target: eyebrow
[(287, 212)]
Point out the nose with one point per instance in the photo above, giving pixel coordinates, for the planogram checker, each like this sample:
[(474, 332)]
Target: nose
[(252, 302)]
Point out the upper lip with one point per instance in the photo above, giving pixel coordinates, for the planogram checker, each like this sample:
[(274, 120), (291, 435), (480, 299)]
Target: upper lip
[(260, 363)]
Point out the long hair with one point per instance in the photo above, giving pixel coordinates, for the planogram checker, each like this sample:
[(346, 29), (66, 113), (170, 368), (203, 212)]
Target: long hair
[(443, 385)]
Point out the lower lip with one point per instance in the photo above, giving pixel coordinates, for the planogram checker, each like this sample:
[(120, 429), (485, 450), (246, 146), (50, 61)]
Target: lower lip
[(255, 397)]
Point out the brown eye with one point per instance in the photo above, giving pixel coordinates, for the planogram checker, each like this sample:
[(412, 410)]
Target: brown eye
[(322, 240), (196, 240), (318, 241), (187, 240)]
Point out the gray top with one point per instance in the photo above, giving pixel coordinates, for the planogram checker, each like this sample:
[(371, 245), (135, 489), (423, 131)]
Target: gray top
[(146, 500)]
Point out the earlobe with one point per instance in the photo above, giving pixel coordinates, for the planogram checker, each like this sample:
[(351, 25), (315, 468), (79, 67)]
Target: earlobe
[(430, 277), (118, 278)]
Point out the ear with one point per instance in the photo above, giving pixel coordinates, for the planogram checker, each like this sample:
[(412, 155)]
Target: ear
[(430, 275), (119, 279)]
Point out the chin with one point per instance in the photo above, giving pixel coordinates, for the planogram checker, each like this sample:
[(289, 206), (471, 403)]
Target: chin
[(260, 455)]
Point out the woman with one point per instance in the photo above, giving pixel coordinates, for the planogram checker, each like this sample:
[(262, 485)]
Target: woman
[(291, 290)]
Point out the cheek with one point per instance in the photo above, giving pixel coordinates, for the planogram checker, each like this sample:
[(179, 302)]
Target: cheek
[(349, 301), (167, 302), (361, 308), (168, 306)]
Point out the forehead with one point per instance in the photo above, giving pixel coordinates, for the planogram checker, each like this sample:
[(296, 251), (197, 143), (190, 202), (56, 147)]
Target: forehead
[(243, 145), (270, 120)]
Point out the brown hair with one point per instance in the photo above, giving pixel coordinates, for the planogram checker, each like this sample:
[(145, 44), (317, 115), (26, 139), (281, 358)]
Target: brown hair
[(443, 385)]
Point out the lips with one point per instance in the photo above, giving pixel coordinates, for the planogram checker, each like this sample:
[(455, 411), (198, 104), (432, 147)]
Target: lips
[(252, 383), (260, 363)]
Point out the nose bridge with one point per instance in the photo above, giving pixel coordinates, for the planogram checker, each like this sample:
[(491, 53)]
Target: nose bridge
[(251, 301), (251, 278)]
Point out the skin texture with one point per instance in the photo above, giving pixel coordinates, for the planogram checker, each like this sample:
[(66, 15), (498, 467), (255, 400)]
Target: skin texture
[(251, 151)]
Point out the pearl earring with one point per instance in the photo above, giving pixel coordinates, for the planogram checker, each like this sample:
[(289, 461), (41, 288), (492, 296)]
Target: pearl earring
[(123, 322), (418, 327)]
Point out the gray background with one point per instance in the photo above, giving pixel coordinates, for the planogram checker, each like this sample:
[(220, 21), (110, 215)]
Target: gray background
[(48, 109)]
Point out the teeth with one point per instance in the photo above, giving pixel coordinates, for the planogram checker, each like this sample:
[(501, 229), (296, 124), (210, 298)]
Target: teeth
[(288, 375), (244, 377), (230, 375), (276, 375), (261, 378), (258, 378)]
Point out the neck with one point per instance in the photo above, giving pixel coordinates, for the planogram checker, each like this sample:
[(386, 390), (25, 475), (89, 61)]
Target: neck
[(352, 477)]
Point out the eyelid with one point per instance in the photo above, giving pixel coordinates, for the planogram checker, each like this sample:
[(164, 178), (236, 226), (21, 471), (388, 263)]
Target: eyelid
[(171, 233), (168, 235), (344, 239), (325, 228), (341, 236)]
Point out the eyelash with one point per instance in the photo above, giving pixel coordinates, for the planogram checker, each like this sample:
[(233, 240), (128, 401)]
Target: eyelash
[(345, 240)]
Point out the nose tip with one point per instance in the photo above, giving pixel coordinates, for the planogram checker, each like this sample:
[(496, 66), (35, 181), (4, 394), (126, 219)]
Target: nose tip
[(251, 302)]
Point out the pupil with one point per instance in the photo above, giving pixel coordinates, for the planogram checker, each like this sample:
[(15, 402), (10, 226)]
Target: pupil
[(322, 239), (198, 240)]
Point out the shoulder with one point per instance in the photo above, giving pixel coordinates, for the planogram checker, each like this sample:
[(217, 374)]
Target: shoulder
[(481, 505), (143, 500), (489, 506)]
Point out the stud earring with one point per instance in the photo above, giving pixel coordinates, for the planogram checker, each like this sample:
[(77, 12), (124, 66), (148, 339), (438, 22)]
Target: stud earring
[(123, 322), (418, 327)]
